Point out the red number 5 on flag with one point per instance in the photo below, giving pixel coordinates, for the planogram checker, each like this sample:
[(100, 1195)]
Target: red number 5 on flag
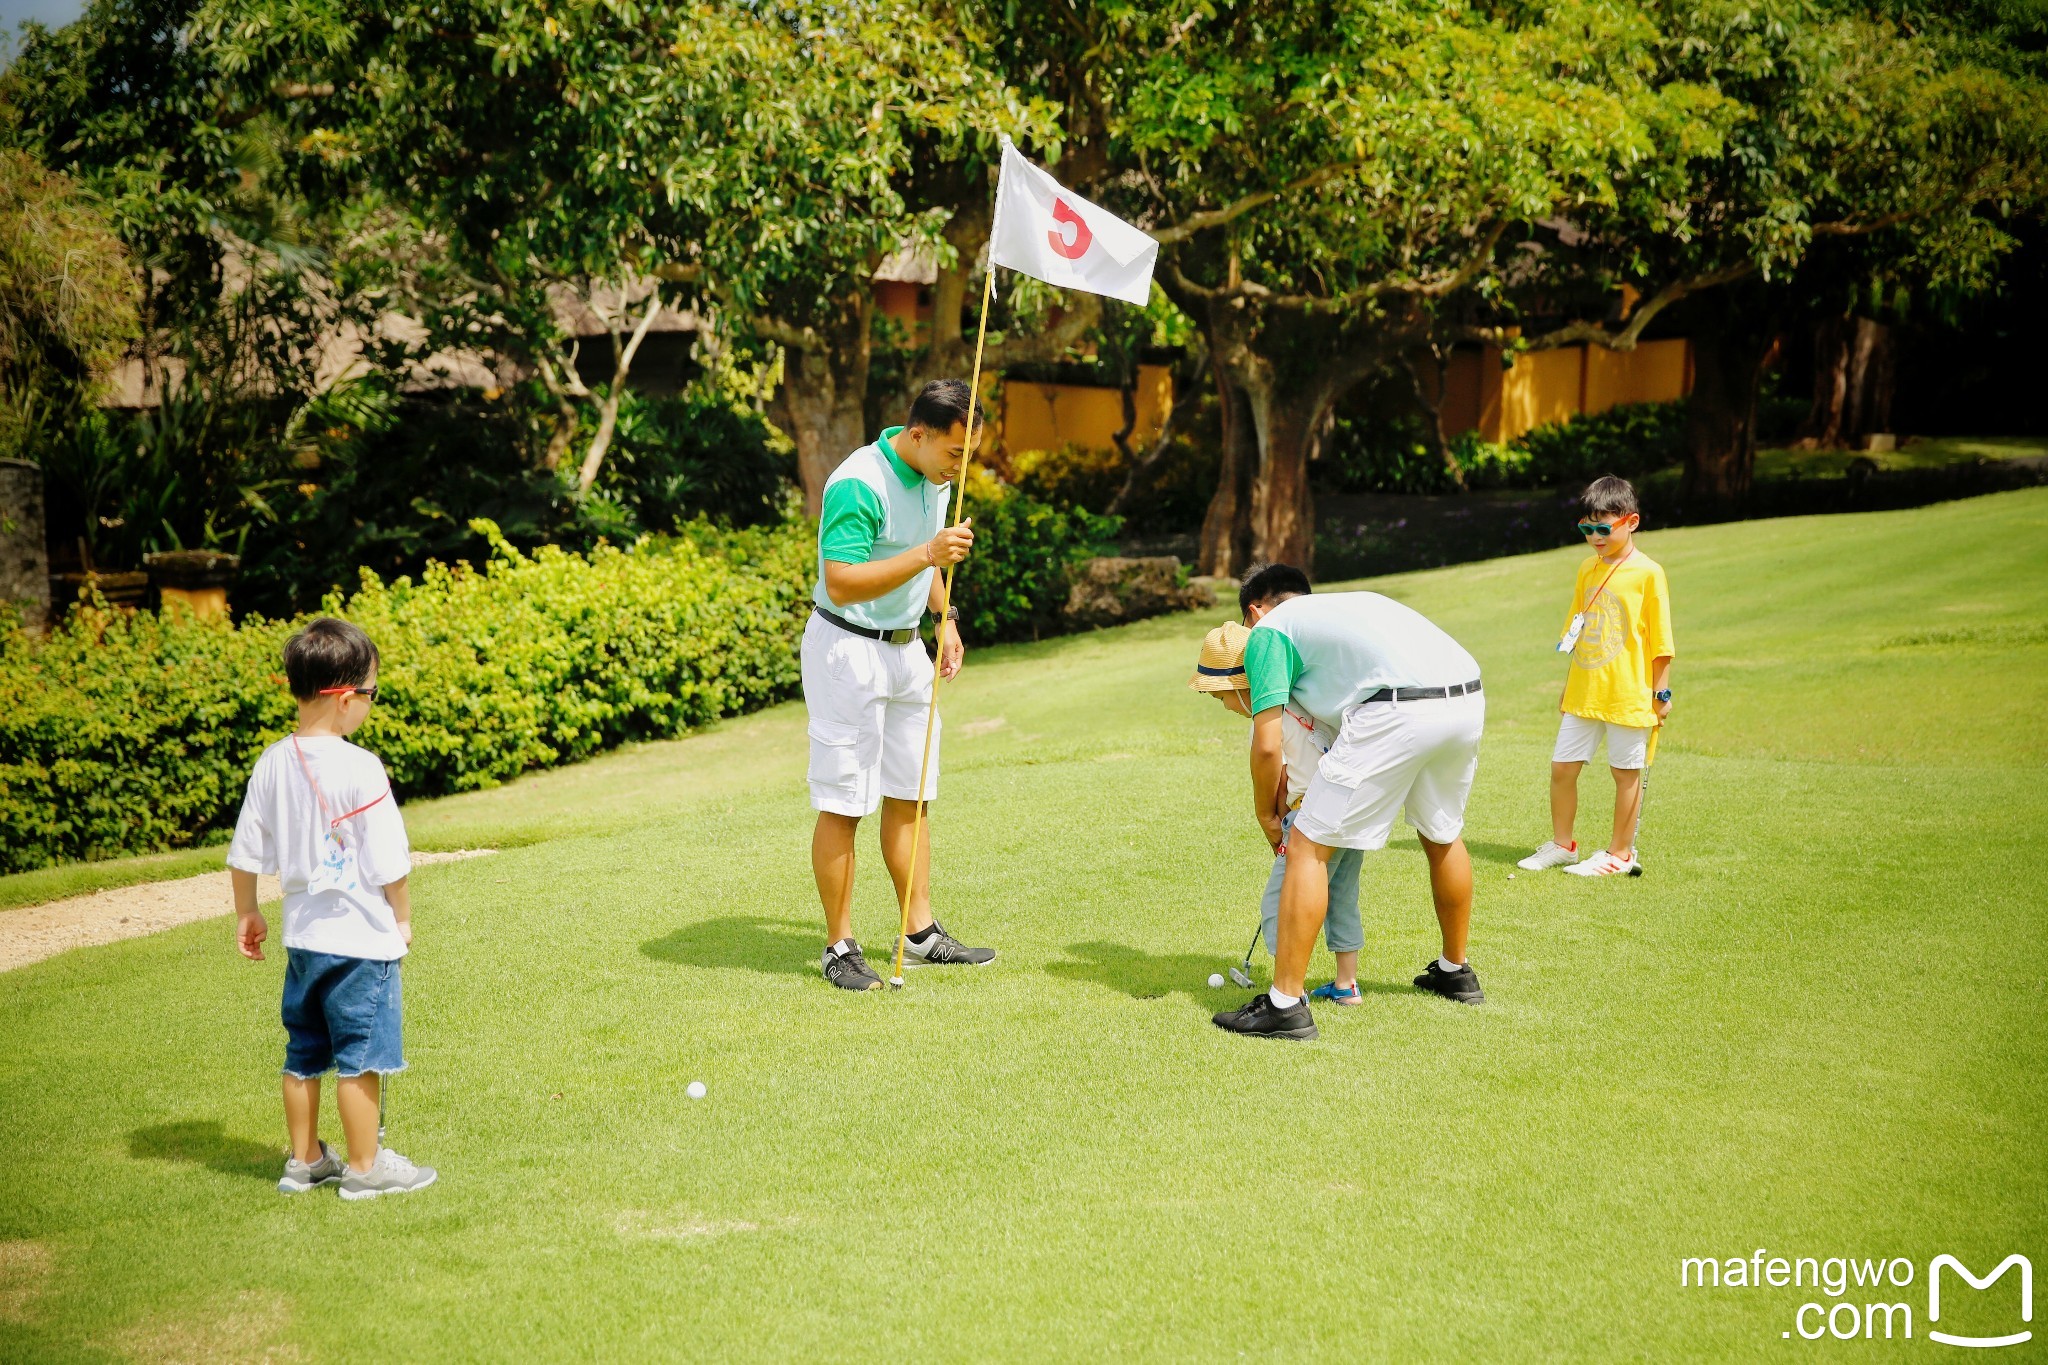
[(1082, 236)]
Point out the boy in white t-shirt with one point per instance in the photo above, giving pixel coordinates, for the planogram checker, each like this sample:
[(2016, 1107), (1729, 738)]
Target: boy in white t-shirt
[(1304, 741), (320, 816)]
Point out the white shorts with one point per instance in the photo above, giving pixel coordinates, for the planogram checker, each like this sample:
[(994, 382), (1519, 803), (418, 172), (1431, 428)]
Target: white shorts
[(1578, 738), (868, 702), (1391, 755)]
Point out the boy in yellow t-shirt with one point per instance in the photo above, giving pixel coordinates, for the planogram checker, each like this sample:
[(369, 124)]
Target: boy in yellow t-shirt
[(1619, 639)]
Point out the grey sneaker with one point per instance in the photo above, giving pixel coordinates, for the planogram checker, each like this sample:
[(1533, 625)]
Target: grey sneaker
[(942, 949), (300, 1177), (849, 970), (390, 1173)]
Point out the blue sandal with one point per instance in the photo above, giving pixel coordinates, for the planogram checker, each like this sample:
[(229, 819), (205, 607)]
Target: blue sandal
[(1332, 992)]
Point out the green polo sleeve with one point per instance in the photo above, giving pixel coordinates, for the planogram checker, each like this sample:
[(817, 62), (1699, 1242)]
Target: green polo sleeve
[(850, 520), (1271, 665)]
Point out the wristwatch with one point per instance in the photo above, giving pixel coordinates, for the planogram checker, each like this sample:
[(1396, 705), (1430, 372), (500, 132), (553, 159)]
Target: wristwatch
[(1662, 694), (952, 613)]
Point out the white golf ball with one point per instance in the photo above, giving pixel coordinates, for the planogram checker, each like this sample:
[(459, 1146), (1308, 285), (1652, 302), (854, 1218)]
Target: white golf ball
[(696, 1090), (1215, 979), (1511, 876)]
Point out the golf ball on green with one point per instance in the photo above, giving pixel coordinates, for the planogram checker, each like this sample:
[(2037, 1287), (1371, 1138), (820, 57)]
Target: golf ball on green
[(1215, 979), (696, 1090)]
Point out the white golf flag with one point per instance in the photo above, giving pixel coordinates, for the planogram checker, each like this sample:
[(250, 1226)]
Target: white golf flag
[(1050, 233)]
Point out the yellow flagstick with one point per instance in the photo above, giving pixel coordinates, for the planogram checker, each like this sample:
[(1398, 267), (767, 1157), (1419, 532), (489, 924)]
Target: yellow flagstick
[(945, 600)]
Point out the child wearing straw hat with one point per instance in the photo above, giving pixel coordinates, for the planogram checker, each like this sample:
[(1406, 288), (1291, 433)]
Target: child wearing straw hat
[(1220, 673)]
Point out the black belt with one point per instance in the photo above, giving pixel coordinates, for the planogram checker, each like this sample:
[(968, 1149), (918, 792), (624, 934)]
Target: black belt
[(1422, 693), (892, 637)]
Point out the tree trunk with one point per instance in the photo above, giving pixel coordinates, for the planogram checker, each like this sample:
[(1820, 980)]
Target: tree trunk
[(1432, 405), (1869, 381), (1290, 424), (824, 394), (1226, 545), (1852, 382), (608, 411), (1823, 426), (1720, 420)]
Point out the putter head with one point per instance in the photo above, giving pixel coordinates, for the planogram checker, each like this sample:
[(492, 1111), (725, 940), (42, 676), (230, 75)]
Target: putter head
[(1241, 977)]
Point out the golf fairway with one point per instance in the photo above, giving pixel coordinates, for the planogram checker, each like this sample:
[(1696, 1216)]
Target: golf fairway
[(1814, 1027)]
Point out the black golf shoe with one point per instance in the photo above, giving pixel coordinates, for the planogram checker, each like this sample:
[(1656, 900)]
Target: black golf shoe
[(850, 971), (1461, 985), (941, 949), (1261, 1018)]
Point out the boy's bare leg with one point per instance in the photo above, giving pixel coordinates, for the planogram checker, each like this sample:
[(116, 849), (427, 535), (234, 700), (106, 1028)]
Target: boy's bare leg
[(1450, 884), (1628, 799), (1564, 801), (899, 822), (1304, 904), (1347, 969), (302, 1116), (832, 865), (356, 1097)]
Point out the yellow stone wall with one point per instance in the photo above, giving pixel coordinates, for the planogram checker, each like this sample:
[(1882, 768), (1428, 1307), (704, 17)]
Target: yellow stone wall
[(1551, 386), (1036, 416)]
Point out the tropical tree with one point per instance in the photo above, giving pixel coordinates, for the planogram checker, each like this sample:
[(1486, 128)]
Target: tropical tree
[(1864, 158), (1327, 180), (67, 299)]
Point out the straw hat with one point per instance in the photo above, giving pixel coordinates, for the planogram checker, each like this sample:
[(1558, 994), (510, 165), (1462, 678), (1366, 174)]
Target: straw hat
[(1221, 668)]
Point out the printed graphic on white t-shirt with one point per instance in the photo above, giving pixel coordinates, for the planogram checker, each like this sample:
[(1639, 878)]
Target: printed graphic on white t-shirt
[(333, 874)]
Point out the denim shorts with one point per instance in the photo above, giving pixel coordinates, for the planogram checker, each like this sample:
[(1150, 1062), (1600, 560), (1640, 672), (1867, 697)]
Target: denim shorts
[(1343, 930), (340, 1014)]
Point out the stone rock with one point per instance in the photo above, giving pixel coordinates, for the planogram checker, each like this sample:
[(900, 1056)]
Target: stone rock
[(1112, 590)]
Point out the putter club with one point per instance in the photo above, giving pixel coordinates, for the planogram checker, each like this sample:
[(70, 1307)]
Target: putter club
[(1242, 973)]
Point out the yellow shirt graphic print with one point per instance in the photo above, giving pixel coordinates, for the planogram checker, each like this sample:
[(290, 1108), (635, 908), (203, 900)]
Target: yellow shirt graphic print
[(1628, 627)]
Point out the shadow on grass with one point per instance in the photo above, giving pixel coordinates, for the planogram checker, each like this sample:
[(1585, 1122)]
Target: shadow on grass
[(1504, 855), (1152, 976), (779, 947), (201, 1142)]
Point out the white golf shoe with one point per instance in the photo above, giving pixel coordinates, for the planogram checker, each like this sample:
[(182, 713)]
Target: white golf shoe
[(1605, 864), (1552, 854)]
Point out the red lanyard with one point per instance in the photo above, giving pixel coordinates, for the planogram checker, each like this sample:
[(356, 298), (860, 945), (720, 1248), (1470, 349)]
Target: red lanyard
[(1610, 578), (321, 801)]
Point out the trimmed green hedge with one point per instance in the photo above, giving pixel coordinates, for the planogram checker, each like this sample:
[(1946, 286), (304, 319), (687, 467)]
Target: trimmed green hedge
[(128, 733)]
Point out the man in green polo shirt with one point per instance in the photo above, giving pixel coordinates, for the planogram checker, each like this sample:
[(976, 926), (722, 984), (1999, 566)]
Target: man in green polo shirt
[(1405, 702), (882, 542)]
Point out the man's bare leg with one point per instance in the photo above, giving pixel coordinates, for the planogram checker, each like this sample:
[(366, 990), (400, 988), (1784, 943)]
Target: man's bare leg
[(1304, 904), (1450, 885), (899, 821), (832, 864)]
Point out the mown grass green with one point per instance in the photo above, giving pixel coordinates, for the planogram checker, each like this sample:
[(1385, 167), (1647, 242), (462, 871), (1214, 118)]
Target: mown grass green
[(1814, 1027)]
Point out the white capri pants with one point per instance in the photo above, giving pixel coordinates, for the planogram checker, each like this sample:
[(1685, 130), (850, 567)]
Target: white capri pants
[(868, 702)]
